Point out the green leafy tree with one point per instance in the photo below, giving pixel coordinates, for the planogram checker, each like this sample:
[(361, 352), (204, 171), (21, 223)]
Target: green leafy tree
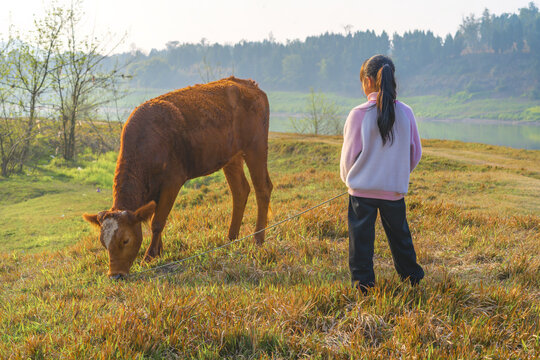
[(517, 32), (416, 49), (331, 61), (292, 70), (530, 20), (469, 29), (448, 46), (486, 30), (534, 37)]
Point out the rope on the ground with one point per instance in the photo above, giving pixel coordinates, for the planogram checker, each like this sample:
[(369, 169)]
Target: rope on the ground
[(175, 264)]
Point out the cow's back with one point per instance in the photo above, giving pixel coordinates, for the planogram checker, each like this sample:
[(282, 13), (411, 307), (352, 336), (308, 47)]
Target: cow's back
[(199, 127), (218, 104)]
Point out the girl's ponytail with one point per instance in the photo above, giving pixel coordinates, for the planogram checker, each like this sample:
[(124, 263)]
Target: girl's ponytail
[(386, 112), (381, 69)]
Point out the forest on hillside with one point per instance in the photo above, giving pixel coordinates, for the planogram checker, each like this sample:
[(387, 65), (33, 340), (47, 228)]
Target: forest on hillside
[(496, 53), (56, 83)]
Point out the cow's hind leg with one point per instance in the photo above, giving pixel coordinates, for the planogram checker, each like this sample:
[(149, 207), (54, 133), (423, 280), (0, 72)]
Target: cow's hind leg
[(256, 161), (165, 203), (234, 172)]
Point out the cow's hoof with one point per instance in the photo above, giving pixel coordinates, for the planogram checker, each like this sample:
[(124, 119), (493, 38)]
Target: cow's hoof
[(117, 277), (148, 259)]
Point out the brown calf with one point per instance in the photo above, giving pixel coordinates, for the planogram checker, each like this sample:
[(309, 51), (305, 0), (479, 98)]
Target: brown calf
[(178, 136)]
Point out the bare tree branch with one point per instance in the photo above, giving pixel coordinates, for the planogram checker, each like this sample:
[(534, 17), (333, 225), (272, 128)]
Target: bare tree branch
[(321, 117)]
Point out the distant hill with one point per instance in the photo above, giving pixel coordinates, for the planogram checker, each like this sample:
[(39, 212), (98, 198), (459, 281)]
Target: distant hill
[(479, 75), (488, 56)]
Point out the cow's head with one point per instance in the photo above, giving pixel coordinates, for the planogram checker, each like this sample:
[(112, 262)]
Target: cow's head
[(121, 235)]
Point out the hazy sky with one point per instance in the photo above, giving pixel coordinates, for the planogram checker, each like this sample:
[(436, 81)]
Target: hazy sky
[(152, 23)]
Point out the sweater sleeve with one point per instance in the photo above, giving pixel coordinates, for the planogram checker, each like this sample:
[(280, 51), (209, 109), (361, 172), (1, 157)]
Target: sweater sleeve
[(352, 142), (416, 145)]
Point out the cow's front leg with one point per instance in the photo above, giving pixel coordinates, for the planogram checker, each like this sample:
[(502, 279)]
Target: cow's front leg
[(156, 246), (166, 201)]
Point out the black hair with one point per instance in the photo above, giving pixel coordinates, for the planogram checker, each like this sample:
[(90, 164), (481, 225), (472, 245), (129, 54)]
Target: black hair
[(381, 69)]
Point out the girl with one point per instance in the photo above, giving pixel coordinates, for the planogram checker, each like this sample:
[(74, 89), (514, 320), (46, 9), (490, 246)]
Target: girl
[(381, 146)]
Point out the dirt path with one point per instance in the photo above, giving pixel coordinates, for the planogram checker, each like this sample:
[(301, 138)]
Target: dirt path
[(484, 158)]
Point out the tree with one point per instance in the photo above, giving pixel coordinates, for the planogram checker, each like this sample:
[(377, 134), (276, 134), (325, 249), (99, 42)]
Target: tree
[(81, 83), (448, 46), (321, 116), (348, 29), (11, 131), (503, 33), (459, 44), (11, 138), (416, 49), (209, 72), (292, 70), (30, 59), (534, 37), (530, 18), (171, 45), (486, 30), (470, 30), (515, 28)]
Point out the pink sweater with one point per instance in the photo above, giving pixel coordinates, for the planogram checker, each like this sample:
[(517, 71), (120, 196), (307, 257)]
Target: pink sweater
[(370, 169)]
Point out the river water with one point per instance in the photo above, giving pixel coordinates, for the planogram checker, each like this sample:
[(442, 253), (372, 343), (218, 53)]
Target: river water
[(516, 135), (520, 136)]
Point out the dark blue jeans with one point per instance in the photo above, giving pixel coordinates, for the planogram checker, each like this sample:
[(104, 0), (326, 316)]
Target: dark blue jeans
[(362, 216)]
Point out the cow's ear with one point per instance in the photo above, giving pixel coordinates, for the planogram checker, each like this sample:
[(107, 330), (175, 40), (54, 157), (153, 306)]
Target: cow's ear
[(92, 219), (145, 212)]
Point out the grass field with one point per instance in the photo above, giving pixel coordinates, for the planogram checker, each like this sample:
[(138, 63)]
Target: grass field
[(458, 106), (41, 209), (474, 211)]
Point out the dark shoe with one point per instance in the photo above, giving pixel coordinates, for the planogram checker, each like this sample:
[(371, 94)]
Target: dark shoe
[(414, 281), (364, 288)]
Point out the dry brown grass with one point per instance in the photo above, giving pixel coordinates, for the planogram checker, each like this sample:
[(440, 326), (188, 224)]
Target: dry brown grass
[(474, 211)]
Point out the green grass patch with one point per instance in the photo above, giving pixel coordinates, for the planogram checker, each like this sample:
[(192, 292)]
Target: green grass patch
[(41, 210), (459, 106), (464, 105), (532, 113), (88, 169), (50, 221)]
